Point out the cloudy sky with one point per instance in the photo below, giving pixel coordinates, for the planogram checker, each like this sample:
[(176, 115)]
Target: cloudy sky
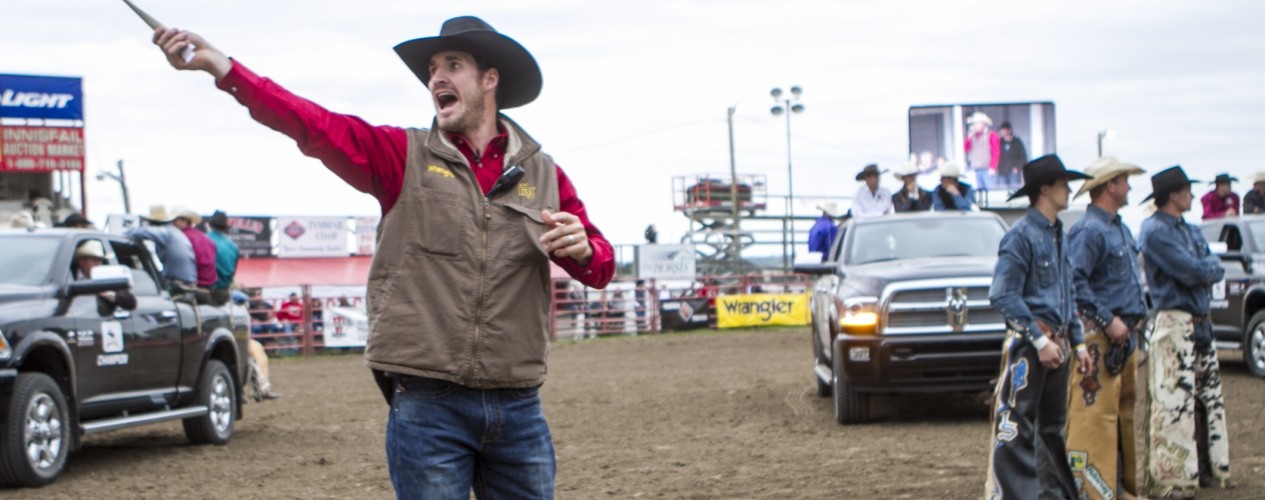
[(636, 92)]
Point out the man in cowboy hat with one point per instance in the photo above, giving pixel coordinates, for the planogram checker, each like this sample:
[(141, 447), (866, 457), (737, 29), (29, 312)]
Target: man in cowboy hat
[(226, 255), (1112, 304), (76, 221), (871, 200), (952, 193), (1184, 374), (983, 149), (824, 230), (172, 246), (1012, 157), (204, 253), (1032, 288), (1221, 201), (458, 288), (1254, 199), (911, 197), (88, 255)]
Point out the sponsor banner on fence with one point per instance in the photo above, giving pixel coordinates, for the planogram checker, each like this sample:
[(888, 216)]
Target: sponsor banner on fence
[(762, 309), (41, 97), (312, 237), (665, 262), (253, 235), (41, 149), (345, 327), (366, 235)]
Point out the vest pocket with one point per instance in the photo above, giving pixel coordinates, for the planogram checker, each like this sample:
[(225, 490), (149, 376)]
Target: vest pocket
[(442, 223), (523, 223)]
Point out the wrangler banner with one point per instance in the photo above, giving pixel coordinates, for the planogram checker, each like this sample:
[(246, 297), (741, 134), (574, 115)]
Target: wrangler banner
[(762, 309)]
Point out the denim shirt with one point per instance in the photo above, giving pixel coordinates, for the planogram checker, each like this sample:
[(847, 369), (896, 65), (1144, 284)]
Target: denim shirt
[(1033, 279), (1105, 268), (1179, 267)]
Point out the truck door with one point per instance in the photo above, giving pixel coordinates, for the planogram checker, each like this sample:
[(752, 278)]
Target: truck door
[(153, 329), (1227, 296)]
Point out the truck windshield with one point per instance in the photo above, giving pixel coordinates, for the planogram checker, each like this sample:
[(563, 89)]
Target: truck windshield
[(26, 260), (934, 237)]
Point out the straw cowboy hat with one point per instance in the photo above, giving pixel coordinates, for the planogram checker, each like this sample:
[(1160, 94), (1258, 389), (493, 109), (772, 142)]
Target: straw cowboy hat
[(870, 169), (1042, 171), (830, 208), (979, 116), (520, 76), (185, 212), (159, 214), (1167, 181), (1105, 169), (907, 169), (91, 248), (952, 169), (1260, 178)]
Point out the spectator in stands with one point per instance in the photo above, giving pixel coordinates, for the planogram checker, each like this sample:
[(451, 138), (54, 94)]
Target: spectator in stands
[(258, 356), (983, 149), (290, 312), (226, 255), (615, 312), (173, 248), (317, 324), (1013, 156), (203, 248), (642, 298), (952, 193), (88, 255), (76, 221), (871, 200), (1254, 200), (911, 197), (263, 319), (824, 230), (1221, 201)]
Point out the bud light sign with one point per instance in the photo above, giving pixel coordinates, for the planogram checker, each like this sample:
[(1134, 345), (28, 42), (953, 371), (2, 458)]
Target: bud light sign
[(41, 97)]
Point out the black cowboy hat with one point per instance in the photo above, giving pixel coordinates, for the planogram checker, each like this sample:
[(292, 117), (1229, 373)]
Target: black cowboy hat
[(1224, 177), (520, 76), (1042, 171), (219, 221), (1167, 181), (869, 169), (75, 220)]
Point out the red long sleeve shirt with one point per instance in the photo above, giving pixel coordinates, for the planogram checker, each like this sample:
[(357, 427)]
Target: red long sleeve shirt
[(372, 158)]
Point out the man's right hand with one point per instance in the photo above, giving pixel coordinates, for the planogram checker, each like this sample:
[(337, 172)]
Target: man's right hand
[(952, 189), (1051, 355), (1117, 331), (173, 41)]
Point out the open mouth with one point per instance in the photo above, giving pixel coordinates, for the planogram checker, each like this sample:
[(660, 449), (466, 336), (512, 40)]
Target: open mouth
[(445, 99)]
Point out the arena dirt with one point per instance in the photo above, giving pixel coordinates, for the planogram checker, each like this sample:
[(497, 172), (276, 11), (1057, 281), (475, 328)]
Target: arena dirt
[(704, 415)]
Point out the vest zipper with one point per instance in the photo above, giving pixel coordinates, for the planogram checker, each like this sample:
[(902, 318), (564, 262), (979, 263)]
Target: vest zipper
[(478, 310)]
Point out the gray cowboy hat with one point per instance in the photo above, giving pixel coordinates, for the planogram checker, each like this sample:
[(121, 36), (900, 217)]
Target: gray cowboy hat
[(1168, 180), (520, 76)]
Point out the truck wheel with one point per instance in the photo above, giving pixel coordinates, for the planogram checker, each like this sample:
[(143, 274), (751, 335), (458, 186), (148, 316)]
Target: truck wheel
[(823, 388), (216, 392), (36, 436), (1254, 345), (851, 407)]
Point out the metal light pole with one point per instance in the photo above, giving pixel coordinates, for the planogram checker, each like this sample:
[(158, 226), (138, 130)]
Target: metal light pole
[(1104, 135), (735, 248), (788, 105), (122, 180)]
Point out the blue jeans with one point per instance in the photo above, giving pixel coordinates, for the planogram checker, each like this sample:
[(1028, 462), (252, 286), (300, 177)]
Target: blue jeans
[(444, 439)]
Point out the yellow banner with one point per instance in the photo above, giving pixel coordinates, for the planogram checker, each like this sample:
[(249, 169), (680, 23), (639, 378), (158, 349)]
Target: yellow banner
[(762, 309)]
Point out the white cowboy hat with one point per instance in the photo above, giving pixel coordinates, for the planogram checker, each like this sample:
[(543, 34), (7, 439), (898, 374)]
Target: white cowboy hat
[(158, 213), (183, 211), (951, 169), (907, 169), (91, 248), (1260, 177), (1105, 169), (979, 116), (831, 208)]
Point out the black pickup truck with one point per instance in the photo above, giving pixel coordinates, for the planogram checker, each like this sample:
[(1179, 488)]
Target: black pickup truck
[(1238, 301), (69, 367)]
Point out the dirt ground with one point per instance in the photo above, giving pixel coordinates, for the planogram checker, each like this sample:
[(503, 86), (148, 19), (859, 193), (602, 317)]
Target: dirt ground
[(703, 415)]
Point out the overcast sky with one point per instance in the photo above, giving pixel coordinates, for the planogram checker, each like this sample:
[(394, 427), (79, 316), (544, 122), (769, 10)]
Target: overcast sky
[(636, 93)]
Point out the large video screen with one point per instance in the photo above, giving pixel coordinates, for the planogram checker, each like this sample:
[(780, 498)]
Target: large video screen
[(989, 143)]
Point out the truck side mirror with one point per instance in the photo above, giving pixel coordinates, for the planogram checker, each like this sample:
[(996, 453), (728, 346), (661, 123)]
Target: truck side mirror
[(816, 268), (106, 278)]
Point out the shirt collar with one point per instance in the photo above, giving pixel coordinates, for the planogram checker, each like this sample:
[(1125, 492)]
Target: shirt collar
[(1102, 215), (1166, 218), (495, 147), (1036, 217)]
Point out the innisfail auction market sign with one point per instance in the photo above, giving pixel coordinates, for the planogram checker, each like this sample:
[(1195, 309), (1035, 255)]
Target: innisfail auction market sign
[(43, 123)]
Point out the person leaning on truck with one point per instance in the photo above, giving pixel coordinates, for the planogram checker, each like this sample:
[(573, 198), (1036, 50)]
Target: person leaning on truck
[(459, 286), (1185, 376), (1032, 288), (1112, 305), (88, 255)]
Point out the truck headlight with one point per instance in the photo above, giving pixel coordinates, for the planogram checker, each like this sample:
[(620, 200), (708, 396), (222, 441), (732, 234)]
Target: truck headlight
[(858, 314), (5, 349)]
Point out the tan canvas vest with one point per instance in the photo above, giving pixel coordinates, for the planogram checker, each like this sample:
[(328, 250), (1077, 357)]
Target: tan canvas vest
[(459, 287)]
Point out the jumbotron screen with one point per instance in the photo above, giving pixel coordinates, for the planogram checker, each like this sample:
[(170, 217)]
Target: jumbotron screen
[(988, 142)]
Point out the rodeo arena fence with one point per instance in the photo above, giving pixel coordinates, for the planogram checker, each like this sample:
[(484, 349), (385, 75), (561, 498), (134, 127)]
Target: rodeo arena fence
[(311, 319)]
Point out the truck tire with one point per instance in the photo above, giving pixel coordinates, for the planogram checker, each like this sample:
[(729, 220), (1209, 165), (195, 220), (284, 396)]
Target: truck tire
[(823, 388), (851, 407), (36, 437), (1254, 345), (217, 393)]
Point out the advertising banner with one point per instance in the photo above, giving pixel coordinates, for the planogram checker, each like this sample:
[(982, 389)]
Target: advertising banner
[(312, 237), (41, 97), (762, 309), (366, 235), (345, 327), (41, 149), (684, 314), (253, 235), (665, 262)]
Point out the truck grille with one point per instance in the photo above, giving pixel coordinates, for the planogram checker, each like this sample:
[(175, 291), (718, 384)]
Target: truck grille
[(940, 318), (936, 295), (931, 310)]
